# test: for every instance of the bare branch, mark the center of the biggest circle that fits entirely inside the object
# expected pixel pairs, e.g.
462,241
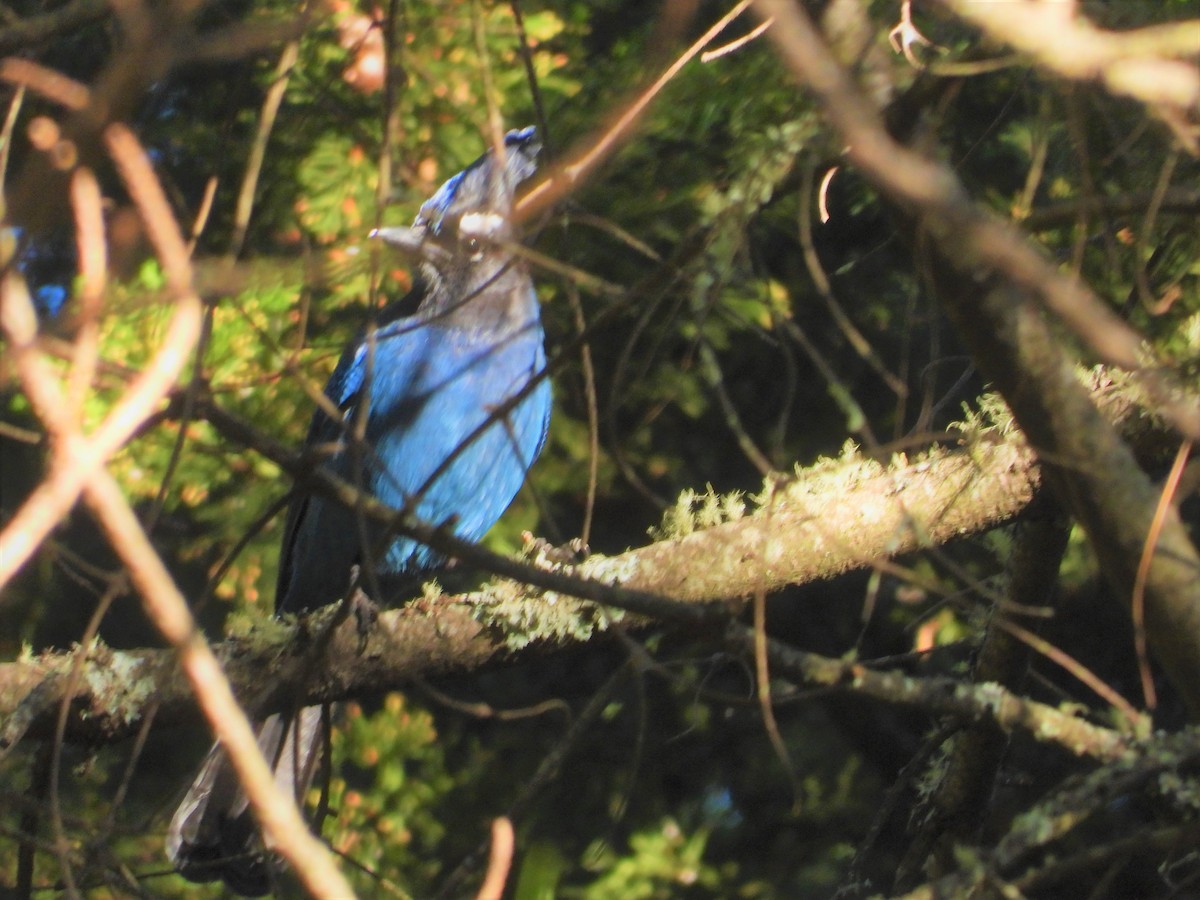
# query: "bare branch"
1145,64
37,30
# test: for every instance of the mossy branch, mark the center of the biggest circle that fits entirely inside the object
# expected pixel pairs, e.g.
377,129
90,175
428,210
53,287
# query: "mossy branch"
831,518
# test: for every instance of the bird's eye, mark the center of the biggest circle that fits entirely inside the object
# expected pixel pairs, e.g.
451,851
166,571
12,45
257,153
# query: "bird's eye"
472,245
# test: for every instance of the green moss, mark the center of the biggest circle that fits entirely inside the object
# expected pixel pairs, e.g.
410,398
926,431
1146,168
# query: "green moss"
509,610
114,679
694,511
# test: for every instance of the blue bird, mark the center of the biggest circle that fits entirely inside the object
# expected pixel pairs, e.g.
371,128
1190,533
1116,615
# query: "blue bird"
444,441
48,263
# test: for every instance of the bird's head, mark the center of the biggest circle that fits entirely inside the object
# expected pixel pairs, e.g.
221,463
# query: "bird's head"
478,188
461,232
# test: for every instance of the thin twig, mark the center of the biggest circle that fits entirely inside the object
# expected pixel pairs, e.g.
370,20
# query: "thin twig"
50,84
500,860
579,165
258,149
593,414
1138,599
1076,668
6,133
93,267
945,696
1145,64
736,44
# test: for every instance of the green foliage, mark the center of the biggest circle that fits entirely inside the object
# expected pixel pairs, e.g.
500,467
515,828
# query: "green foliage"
391,773
332,215
662,862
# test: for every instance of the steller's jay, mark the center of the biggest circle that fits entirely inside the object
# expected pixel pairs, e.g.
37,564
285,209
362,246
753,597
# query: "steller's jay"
429,380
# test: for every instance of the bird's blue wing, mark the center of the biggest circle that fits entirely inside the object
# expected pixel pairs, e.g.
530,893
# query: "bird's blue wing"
432,391
306,514
448,453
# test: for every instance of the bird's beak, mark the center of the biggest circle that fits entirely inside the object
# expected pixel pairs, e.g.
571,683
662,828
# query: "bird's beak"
412,242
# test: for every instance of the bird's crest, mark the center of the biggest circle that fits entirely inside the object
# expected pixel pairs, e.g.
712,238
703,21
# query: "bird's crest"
470,190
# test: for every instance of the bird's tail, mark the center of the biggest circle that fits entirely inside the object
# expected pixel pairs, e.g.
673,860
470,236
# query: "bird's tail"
213,834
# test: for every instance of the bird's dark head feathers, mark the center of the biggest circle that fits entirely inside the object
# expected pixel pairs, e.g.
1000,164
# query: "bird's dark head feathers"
474,190
470,208
463,234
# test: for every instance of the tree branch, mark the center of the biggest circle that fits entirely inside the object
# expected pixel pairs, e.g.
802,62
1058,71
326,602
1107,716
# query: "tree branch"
32,32
890,510
1145,64
995,286
441,636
